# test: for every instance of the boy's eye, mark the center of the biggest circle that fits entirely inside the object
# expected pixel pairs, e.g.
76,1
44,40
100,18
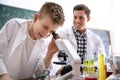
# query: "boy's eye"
45,27
51,32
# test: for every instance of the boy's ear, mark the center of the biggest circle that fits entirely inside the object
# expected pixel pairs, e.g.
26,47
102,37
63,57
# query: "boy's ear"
36,16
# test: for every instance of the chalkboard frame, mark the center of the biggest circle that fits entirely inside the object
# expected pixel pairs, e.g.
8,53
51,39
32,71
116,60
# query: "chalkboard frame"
105,35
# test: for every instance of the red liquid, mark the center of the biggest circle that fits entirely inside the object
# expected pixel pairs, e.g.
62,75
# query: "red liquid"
108,74
90,78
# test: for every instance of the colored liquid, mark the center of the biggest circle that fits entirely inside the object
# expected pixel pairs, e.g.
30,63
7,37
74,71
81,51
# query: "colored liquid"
108,74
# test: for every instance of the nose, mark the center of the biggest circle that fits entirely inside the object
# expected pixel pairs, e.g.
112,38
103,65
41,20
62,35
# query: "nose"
77,20
46,33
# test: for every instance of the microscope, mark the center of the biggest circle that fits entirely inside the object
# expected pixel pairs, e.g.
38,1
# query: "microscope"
66,46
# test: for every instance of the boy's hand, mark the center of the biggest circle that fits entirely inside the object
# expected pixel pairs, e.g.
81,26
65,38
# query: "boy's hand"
52,49
5,77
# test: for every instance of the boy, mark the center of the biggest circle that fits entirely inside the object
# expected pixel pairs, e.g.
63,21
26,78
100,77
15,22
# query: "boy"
22,43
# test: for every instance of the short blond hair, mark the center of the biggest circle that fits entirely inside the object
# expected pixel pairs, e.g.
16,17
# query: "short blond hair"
54,10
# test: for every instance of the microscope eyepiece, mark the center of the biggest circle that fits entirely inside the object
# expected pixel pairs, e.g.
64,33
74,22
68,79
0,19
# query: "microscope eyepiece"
55,35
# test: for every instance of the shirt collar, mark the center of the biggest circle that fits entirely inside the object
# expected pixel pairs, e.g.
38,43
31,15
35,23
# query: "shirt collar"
76,32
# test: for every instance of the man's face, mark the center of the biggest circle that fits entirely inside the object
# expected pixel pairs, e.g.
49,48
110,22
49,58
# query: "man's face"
80,19
43,27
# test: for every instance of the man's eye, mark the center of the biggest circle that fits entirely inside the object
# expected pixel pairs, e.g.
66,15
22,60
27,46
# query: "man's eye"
81,17
75,17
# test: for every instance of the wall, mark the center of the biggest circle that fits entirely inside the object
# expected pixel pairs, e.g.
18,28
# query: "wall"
116,26
102,15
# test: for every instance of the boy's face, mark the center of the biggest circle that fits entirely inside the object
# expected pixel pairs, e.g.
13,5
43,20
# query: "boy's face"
43,27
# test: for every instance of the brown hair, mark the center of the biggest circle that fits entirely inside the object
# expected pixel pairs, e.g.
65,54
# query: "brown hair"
53,10
82,7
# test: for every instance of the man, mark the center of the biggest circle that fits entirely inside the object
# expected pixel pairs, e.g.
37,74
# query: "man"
23,43
83,40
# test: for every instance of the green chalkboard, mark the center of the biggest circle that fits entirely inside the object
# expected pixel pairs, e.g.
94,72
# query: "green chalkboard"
8,12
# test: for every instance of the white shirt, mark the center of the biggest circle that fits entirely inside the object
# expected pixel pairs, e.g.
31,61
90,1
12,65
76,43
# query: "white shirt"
94,43
20,56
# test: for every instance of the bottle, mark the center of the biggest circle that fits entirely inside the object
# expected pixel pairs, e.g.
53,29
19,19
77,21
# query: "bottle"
116,67
101,67
90,73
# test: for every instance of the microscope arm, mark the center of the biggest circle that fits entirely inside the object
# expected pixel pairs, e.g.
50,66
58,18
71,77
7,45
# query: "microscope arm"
65,45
